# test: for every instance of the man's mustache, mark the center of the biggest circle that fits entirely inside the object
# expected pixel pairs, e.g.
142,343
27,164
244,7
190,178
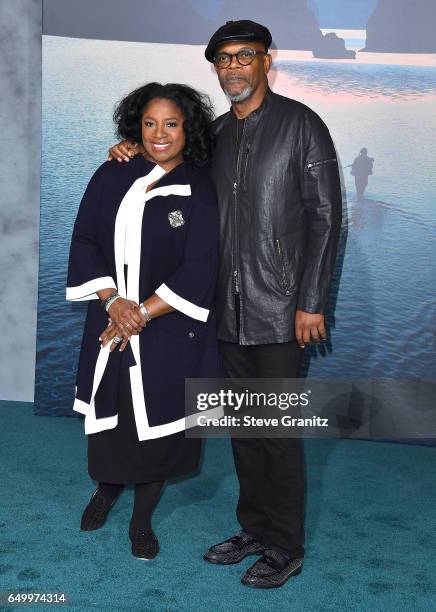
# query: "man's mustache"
231,78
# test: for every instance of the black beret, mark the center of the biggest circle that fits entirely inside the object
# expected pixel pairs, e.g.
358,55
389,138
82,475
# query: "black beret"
243,29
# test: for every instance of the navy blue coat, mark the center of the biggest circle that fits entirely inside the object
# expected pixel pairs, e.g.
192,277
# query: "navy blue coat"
169,238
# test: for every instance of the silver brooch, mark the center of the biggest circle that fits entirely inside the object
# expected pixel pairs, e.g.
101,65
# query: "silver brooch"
176,218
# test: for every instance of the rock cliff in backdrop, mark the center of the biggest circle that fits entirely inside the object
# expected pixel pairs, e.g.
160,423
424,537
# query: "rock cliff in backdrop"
332,47
292,23
165,21
402,26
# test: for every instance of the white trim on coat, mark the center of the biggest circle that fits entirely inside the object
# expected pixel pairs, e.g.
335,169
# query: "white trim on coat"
179,303
80,406
88,291
93,425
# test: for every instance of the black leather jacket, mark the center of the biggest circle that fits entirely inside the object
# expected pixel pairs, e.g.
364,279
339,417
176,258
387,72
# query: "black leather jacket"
280,203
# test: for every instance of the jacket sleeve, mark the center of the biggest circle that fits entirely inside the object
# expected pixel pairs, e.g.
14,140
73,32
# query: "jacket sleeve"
322,200
191,288
87,269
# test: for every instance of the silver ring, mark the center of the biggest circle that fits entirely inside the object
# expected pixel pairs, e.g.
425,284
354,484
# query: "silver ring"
117,339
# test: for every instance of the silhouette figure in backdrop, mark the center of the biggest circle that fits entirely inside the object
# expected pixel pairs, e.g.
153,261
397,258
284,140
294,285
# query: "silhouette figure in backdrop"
361,168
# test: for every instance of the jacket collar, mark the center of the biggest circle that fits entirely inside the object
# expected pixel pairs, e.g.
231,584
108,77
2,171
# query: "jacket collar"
254,115
179,174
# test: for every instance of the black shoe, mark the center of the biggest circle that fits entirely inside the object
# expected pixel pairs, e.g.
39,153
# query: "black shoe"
95,513
234,549
272,570
144,543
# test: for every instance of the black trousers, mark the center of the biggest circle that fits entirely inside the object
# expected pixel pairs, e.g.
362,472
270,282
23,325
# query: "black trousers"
270,470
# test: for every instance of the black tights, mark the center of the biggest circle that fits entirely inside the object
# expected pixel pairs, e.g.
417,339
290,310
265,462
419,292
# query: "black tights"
146,498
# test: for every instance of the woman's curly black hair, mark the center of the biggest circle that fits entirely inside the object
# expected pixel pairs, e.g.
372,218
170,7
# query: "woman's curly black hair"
195,106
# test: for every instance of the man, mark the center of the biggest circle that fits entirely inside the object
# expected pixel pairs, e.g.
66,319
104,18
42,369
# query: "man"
361,168
277,180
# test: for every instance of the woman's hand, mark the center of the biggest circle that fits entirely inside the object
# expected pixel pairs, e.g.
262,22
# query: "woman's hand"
111,332
128,317
122,332
125,150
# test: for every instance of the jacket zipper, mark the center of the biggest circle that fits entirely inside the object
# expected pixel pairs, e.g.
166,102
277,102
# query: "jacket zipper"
244,175
235,241
235,194
318,163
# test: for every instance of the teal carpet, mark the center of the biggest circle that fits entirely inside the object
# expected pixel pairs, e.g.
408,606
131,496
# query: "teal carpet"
371,533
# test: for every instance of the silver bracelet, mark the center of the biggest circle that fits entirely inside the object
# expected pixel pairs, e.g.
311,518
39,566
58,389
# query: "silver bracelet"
109,297
145,312
109,302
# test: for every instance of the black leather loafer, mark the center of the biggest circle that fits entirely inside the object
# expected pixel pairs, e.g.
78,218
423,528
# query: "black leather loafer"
234,549
271,571
95,513
144,543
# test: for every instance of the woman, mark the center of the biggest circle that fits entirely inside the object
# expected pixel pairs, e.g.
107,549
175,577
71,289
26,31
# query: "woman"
145,243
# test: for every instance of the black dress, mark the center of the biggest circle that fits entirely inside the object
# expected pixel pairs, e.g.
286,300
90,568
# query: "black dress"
117,456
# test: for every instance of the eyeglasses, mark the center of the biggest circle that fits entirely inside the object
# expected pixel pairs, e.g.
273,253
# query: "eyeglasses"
243,56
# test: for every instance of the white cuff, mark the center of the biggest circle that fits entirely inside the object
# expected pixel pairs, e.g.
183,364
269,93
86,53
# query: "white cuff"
93,425
179,303
88,290
80,406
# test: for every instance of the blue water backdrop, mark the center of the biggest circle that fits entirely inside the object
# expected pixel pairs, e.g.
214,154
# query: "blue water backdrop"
383,312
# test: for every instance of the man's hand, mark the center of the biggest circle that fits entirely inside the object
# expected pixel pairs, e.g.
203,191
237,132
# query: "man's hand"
124,150
309,328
